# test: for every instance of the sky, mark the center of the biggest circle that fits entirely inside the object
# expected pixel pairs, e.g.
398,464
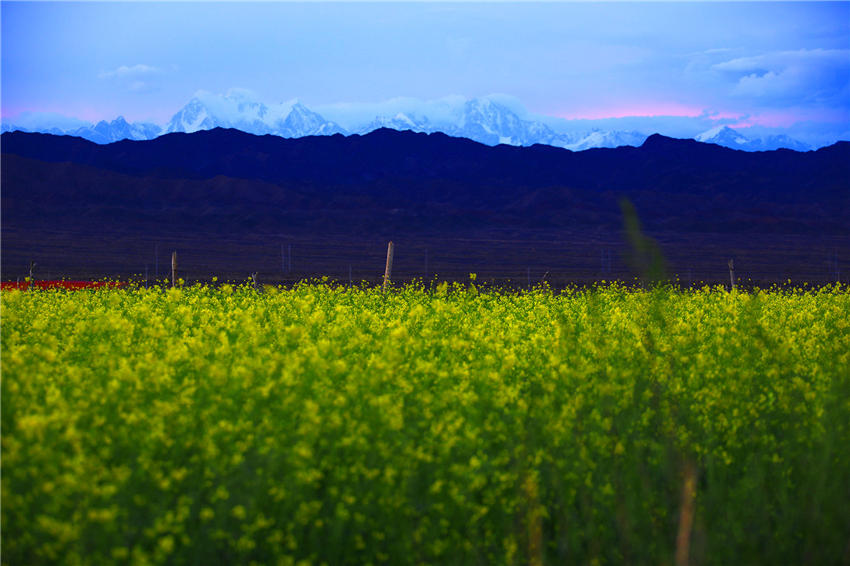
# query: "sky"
762,66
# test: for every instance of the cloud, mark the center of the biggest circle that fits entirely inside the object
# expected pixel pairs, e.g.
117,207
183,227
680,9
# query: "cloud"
44,120
138,79
804,76
125,71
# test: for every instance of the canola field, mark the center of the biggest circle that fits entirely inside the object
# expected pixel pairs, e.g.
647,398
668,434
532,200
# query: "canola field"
332,425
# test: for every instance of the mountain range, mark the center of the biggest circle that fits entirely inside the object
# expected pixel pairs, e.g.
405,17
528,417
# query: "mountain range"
727,137
479,119
228,199
680,180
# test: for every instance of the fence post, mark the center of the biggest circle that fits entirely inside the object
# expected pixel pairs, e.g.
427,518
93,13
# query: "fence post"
732,273
173,269
686,514
388,272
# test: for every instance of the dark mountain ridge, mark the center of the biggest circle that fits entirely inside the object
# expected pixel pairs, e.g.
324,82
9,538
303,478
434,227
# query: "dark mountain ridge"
409,185
389,154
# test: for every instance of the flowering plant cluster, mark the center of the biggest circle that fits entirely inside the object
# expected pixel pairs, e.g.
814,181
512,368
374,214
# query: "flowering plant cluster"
332,425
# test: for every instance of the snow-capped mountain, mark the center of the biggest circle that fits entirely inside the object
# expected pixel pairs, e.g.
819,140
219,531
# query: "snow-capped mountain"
489,120
102,132
478,119
6,127
401,121
301,121
116,130
237,110
191,118
727,137
600,138
45,122
783,141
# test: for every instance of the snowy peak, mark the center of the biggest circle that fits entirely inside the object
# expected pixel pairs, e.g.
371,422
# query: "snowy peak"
117,130
237,110
479,119
782,141
232,110
599,138
491,123
401,122
727,137
301,121
490,120
191,118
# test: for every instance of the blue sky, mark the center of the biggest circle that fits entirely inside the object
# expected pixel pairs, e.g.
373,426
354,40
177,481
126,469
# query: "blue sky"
759,65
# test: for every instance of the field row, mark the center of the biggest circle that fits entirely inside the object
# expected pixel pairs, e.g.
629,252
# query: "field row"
338,425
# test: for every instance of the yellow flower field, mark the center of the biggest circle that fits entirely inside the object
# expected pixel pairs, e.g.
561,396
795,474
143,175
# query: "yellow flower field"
333,425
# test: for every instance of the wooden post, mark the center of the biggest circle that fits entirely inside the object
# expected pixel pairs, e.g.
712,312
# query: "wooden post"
732,273
174,269
836,270
388,272
686,514
32,267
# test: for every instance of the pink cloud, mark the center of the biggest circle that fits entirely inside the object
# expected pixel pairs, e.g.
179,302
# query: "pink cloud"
87,113
742,119
631,110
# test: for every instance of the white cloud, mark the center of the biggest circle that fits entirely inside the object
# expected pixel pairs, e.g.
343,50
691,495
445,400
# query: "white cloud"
353,115
805,75
45,120
129,71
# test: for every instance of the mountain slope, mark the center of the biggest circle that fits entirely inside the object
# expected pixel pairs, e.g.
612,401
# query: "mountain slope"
227,199
420,165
